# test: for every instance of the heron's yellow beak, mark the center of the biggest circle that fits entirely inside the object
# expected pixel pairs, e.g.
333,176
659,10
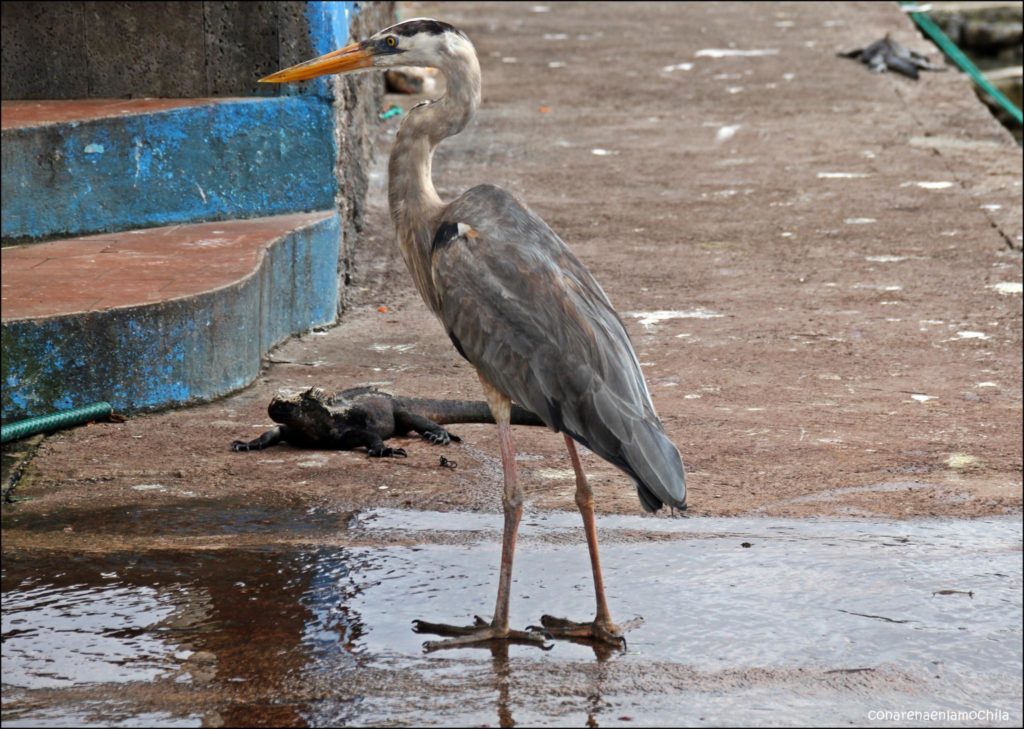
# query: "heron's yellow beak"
349,58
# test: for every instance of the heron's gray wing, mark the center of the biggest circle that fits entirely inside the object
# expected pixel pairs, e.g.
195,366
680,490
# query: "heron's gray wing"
532,319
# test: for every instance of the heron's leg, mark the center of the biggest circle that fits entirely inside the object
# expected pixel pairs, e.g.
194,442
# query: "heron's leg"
512,503
602,628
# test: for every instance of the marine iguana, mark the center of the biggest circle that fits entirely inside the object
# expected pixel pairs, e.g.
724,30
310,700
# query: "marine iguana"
364,417
886,54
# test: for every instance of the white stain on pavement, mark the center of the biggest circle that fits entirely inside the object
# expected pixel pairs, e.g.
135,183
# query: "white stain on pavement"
930,185
1006,288
650,318
842,175
735,52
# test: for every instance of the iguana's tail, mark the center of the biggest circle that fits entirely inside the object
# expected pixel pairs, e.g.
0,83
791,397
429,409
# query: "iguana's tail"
444,412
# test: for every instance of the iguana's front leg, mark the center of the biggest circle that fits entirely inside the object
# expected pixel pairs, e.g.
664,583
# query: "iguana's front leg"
272,437
374,444
425,427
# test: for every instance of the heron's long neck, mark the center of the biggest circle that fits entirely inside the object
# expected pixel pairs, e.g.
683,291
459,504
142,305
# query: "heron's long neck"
415,204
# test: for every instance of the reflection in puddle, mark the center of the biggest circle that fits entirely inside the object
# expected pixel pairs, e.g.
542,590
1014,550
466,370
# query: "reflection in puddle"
813,621
64,636
240,621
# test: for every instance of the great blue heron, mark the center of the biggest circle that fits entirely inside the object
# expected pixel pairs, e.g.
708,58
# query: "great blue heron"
520,307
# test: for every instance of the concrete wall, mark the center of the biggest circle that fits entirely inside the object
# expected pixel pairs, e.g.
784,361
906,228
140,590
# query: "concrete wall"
358,100
76,50
177,352
73,50
214,159
237,158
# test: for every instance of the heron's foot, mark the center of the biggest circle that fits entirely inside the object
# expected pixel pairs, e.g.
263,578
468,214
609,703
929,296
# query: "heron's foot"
599,630
480,633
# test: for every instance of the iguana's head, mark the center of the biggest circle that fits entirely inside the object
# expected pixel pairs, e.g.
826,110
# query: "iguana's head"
292,407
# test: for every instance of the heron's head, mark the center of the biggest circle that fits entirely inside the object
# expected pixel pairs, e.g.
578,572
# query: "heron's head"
416,42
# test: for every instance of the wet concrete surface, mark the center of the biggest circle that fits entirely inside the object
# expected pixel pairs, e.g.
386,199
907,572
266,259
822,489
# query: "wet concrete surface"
859,373
745,621
805,360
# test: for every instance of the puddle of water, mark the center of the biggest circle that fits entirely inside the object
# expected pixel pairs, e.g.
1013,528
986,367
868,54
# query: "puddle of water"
711,597
814,621
66,635
158,623
185,516
86,718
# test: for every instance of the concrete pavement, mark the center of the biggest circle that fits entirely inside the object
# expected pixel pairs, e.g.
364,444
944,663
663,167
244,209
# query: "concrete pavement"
820,268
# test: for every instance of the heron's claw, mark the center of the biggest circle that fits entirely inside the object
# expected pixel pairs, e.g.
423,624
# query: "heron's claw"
480,634
422,626
600,631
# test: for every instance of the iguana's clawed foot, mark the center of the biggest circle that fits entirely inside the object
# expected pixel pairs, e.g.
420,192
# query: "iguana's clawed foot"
440,437
479,633
241,445
386,452
600,631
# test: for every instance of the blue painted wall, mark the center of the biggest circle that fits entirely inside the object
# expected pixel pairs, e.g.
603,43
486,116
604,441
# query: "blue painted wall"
328,30
176,352
232,159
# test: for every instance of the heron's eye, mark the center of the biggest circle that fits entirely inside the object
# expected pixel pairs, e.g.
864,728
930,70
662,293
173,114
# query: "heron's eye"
391,41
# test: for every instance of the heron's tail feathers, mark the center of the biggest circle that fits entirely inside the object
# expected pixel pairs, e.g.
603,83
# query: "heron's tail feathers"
636,443
656,467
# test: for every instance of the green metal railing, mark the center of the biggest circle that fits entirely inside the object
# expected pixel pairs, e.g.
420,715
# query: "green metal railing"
950,48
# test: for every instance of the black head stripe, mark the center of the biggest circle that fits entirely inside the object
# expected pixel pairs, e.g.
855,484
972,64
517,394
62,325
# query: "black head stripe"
423,25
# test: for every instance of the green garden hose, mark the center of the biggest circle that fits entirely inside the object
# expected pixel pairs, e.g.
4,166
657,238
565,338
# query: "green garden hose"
54,421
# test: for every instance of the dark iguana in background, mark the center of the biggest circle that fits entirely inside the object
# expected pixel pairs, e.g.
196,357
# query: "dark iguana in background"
364,417
887,54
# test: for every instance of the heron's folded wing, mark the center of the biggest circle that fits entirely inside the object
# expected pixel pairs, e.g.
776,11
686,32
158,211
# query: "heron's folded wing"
532,319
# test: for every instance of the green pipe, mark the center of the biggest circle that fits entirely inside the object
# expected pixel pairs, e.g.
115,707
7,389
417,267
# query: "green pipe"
950,48
54,421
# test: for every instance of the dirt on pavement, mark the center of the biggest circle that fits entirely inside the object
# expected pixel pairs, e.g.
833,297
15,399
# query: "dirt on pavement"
807,256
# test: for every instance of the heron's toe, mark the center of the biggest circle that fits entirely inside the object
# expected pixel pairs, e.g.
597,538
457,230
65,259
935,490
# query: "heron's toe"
481,632
599,631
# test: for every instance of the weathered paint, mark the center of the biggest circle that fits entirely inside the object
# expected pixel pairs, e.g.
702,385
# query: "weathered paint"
174,352
215,47
214,161
328,28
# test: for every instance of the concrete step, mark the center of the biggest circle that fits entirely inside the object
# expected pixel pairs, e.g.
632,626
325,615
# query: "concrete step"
161,316
72,168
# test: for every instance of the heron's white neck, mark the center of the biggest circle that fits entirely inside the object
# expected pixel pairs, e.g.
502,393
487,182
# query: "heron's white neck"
415,204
